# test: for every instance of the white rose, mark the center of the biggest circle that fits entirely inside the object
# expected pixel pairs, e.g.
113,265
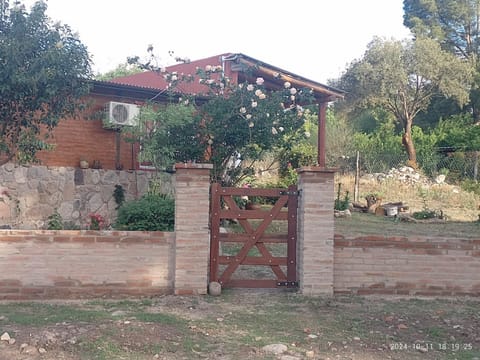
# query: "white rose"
260,81
248,116
287,84
243,110
293,91
208,68
254,104
274,131
251,124
262,96
258,92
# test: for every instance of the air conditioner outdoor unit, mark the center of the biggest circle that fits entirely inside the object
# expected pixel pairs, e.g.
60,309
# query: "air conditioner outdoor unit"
121,114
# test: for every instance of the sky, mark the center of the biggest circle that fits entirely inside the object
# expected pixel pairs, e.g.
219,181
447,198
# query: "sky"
316,39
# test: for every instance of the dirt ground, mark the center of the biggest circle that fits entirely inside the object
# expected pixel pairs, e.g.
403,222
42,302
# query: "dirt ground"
238,324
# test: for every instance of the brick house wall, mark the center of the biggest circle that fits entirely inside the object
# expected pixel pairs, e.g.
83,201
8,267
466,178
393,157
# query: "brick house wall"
85,137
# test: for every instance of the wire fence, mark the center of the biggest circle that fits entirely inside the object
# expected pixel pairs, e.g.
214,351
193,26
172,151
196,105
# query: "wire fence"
456,166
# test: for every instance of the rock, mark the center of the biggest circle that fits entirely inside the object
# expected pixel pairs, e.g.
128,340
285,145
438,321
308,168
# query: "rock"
310,354
5,336
276,349
42,350
440,179
28,349
356,338
119,313
312,336
342,213
11,341
289,357
214,288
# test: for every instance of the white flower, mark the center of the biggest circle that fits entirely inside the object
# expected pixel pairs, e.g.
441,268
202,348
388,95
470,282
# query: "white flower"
260,81
293,91
276,75
210,141
174,77
200,81
262,96
258,92
286,85
208,68
162,70
210,81
254,104
250,87
281,128
243,110
248,116
251,124
292,97
307,134
274,131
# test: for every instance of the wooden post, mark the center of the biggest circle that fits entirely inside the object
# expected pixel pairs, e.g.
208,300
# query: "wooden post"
356,190
322,120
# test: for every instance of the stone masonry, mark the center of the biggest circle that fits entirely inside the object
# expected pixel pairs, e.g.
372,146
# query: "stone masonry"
29,194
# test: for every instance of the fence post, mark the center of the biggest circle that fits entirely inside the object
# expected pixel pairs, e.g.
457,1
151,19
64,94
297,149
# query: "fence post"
192,234
315,230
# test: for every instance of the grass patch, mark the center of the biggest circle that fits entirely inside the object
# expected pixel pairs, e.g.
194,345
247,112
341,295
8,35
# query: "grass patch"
38,314
165,319
102,349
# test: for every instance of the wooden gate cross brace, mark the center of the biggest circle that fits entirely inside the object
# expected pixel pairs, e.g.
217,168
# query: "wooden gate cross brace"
255,236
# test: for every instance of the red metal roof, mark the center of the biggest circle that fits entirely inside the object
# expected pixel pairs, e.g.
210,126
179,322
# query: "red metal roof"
232,64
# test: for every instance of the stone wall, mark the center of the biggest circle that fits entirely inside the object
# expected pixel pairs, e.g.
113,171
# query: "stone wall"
406,266
29,194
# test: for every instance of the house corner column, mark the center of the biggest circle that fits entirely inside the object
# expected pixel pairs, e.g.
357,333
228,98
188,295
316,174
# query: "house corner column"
192,234
315,231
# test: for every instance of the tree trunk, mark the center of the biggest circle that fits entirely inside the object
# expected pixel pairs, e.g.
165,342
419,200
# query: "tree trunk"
408,144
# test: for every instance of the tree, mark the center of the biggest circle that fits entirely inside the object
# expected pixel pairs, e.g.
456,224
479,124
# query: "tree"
402,78
121,70
43,73
455,25
231,124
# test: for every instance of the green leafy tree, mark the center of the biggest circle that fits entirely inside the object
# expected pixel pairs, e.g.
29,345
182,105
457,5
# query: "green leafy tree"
231,126
43,73
402,78
455,25
121,70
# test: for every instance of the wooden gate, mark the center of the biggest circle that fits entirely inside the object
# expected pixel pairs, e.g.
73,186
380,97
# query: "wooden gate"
256,243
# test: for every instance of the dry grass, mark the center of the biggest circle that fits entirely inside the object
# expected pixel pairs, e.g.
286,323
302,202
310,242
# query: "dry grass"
456,204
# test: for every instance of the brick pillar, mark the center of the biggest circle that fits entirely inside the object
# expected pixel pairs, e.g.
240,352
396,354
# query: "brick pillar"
315,231
192,234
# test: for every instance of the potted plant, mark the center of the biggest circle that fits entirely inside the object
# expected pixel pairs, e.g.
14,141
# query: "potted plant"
83,163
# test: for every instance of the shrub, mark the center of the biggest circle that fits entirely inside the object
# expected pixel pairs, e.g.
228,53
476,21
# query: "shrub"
55,221
149,213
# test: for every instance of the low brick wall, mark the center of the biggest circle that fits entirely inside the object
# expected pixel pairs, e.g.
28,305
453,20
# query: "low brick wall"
406,266
85,264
